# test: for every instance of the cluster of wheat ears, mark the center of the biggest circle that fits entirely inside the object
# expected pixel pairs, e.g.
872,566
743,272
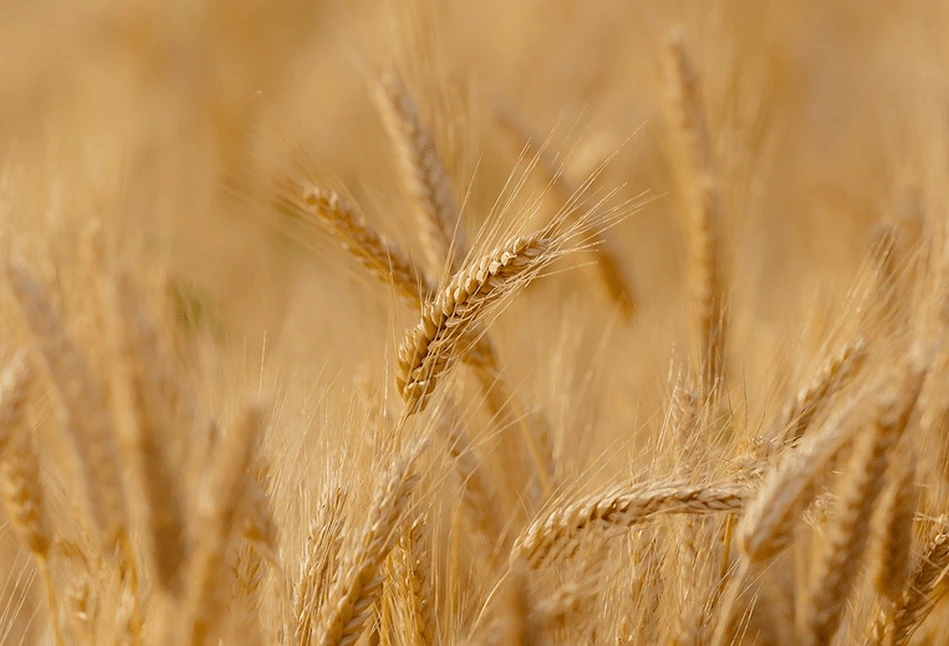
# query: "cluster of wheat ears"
154,495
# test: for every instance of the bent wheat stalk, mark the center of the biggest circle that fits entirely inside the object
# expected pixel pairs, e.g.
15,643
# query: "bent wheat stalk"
551,536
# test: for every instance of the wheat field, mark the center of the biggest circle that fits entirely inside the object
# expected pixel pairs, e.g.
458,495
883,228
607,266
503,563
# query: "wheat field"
418,322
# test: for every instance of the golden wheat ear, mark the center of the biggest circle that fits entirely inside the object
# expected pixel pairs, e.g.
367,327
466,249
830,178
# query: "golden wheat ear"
424,175
373,251
145,418
357,584
892,537
81,405
220,507
847,536
318,565
20,480
834,375
925,588
435,344
704,208
554,536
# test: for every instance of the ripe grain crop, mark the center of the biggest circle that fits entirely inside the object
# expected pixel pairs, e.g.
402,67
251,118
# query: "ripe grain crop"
428,322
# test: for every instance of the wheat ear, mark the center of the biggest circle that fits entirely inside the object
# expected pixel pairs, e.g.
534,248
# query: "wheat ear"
413,581
357,583
393,268
834,375
847,536
927,585
22,488
377,254
766,526
433,346
706,270
82,409
892,535
621,508
221,507
892,528
148,427
318,564
15,382
423,172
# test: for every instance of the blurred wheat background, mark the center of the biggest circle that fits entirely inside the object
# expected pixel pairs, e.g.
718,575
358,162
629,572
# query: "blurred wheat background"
422,322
